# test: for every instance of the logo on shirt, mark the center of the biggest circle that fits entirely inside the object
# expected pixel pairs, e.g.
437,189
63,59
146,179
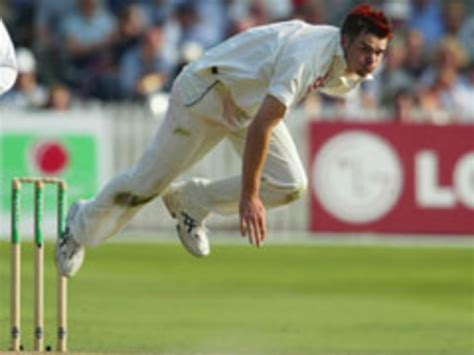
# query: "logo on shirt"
317,83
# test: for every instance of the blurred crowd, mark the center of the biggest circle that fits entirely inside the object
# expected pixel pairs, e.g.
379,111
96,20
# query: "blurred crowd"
71,51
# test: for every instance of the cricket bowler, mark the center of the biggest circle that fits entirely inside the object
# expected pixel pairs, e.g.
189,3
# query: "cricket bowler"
240,90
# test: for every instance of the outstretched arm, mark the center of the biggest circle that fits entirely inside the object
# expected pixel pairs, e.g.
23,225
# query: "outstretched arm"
8,69
252,210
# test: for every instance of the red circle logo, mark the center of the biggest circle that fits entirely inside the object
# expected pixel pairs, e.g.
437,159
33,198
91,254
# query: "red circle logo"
51,158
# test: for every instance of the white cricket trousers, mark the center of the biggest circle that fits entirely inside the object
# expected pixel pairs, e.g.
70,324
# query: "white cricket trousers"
183,138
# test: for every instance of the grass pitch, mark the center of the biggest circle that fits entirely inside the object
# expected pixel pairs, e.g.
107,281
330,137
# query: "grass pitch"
282,299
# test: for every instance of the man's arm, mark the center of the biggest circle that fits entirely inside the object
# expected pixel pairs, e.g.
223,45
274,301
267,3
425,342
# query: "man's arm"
8,69
252,210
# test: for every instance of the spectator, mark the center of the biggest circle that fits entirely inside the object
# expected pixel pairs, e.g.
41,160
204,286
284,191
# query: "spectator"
454,16
338,9
416,62
116,6
466,36
88,33
27,92
144,69
450,55
187,27
244,17
179,28
160,12
214,28
192,27
464,96
458,25
22,19
270,10
278,10
48,44
157,11
398,11
404,107
47,23
437,101
311,11
132,24
426,18
59,98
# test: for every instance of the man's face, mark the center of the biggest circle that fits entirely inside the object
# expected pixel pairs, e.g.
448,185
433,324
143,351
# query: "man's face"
364,53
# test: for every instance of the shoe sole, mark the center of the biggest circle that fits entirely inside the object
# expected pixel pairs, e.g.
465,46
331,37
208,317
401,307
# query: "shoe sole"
186,246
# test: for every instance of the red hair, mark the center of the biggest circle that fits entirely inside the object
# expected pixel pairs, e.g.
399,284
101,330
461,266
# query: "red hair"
365,18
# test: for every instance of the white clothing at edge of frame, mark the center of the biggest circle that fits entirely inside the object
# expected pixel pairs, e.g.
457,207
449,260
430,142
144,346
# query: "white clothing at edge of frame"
8,68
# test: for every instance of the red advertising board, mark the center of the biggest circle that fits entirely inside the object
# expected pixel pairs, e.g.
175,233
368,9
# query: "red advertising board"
390,177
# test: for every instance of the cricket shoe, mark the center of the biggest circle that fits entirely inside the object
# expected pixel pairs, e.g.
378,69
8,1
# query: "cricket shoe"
69,253
190,222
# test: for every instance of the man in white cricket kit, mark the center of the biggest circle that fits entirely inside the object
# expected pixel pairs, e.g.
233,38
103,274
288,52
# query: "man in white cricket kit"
239,90
8,71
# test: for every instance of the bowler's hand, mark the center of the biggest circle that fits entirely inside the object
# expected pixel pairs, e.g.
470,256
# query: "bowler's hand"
252,220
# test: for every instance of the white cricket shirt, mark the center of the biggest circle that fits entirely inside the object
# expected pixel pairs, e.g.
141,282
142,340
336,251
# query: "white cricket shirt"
8,69
286,60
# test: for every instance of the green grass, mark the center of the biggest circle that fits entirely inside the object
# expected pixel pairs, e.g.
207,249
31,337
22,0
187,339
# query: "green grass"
302,299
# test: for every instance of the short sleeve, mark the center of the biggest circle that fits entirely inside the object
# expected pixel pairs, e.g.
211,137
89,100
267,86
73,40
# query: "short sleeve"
305,58
286,83
8,70
295,69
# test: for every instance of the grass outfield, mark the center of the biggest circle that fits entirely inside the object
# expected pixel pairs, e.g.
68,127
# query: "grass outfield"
282,299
